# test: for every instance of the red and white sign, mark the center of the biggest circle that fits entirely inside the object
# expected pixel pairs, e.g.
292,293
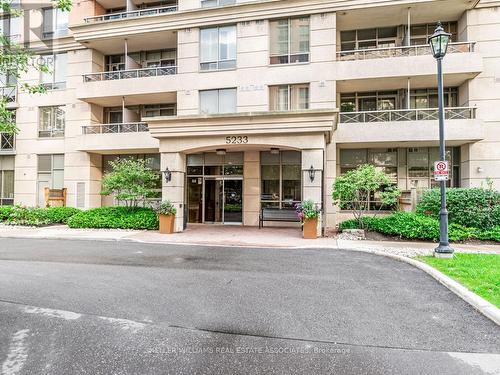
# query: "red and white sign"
441,171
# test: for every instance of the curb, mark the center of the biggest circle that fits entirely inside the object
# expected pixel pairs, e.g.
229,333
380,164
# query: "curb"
480,304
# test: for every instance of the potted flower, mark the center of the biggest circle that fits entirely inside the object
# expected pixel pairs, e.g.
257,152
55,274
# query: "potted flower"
308,213
166,213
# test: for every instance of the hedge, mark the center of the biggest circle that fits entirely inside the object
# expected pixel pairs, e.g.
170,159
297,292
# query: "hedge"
415,226
115,218
474,207
32,216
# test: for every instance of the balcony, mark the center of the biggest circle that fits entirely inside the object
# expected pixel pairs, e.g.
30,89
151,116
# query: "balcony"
360,70
455,113
132,127
415,126
132,14
7,144
402,51
109,138
132,73
9,93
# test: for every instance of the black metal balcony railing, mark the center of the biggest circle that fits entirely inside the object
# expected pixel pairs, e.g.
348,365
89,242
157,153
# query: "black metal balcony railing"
9,93
402,51
131,14
454,113
7,142
129,127
132,73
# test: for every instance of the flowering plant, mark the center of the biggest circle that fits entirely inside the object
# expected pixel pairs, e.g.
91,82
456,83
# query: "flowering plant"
167,208
307,210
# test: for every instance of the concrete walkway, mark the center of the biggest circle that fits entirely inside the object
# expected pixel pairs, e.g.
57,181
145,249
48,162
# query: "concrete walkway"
237,236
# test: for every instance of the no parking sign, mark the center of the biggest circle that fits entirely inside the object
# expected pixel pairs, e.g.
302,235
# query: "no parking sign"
441,171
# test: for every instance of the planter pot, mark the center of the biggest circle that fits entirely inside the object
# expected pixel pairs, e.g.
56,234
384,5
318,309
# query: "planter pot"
310,229
167,224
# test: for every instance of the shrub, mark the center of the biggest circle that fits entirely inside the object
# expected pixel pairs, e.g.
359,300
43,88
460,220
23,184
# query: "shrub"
60,214
116,218
5,212
307,210
167,208
475,207
414,226
31,216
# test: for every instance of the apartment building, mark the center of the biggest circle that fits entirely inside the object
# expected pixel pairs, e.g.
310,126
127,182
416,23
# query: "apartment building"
251,104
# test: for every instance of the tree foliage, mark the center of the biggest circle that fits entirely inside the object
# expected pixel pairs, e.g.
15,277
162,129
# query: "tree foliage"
131,181
353,190
16,59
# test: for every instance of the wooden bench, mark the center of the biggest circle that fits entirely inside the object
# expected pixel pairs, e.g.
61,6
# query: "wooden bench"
55,195
276,214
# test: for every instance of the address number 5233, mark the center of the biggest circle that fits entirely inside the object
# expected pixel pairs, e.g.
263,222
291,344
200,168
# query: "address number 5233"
238,139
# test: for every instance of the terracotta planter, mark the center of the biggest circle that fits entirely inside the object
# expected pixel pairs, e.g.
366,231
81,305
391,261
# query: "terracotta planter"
167,224
310,229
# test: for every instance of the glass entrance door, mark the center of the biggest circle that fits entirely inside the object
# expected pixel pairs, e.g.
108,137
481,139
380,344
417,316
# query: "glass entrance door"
233,201
223,200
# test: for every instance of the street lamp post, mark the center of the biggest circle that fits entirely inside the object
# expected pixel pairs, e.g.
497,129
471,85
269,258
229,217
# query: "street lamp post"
439,44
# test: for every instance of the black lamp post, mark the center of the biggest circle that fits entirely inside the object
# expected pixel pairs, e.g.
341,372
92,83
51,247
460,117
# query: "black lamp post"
439,44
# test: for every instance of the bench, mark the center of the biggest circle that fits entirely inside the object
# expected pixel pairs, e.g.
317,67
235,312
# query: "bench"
276,214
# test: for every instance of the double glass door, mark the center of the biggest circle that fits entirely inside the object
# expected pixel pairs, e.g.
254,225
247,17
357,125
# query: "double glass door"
215,200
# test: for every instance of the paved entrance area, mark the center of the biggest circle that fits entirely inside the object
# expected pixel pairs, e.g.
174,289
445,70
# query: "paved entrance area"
88,307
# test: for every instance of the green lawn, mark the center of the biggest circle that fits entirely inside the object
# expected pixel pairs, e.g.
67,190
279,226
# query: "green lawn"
480,273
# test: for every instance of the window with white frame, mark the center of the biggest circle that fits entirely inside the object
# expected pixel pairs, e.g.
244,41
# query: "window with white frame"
218,101
289,40
154,110
55,77
6,180
215,3
218,48
51,122
55,22
288,97
10,26
51,170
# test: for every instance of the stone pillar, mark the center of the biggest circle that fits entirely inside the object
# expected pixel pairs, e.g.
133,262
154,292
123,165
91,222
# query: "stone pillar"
251,188
312,190
329,209
174,190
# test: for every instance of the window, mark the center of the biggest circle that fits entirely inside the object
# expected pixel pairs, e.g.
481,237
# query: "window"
368,38
288,97
145,59
6,180
55,22
10,26
218,101
428,98
153,110
214,3
51,170
369,101
218,48
51,122
55,78
290,40
281,179
6,142
420,33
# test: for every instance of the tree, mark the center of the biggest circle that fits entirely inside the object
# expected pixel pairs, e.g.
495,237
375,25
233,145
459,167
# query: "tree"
130,181
15,60
354,188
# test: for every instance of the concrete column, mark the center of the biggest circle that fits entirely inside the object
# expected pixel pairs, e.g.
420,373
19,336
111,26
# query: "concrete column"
174,190
312,190
251,188
329,209
131,6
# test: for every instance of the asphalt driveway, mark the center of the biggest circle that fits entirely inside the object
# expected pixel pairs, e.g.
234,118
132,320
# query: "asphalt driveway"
86,307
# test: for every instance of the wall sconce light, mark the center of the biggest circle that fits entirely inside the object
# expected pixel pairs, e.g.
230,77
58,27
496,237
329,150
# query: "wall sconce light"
312,173
168,175
220,151
275,151
480,170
